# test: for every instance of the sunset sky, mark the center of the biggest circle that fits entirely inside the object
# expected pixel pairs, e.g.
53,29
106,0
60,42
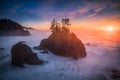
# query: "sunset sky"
88,14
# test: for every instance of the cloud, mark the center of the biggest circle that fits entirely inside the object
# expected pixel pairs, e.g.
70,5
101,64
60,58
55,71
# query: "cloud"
99,9
92,15
43,10
78,12
96,8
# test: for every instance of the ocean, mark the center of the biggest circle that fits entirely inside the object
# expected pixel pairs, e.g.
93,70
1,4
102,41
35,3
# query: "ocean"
103,55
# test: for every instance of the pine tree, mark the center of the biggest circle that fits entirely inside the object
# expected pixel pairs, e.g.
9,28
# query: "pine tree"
53,25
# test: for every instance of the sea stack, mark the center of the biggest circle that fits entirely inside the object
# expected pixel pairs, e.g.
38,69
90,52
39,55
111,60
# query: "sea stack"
21,53
63,42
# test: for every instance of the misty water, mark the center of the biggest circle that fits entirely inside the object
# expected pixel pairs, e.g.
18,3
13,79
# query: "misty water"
103,54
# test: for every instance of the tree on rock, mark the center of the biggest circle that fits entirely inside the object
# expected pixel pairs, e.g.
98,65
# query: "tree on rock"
55,26
62,42
65,24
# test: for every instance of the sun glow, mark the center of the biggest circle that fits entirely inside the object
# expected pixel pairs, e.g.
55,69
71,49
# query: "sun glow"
110,28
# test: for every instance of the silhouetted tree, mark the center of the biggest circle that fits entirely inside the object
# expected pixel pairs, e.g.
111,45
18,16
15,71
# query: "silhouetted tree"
52,27
65,24
55,27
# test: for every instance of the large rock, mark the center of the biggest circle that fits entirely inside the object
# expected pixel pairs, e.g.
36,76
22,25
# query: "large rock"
12,28
21,53
64,43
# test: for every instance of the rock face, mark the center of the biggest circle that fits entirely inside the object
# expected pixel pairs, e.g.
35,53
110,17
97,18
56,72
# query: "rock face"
64,43
21,53
11,28
115,74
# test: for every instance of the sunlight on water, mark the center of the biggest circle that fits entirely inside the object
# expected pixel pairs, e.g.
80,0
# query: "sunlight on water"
106,38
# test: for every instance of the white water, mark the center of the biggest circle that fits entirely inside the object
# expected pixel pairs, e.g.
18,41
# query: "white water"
102,56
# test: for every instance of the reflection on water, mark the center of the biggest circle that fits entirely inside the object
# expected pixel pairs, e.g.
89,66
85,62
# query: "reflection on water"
106,38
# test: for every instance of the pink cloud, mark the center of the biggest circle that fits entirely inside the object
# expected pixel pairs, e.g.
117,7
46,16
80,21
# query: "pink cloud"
92,15
99,9
80,11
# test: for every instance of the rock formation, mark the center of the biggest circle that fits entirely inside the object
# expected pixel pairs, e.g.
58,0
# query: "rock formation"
11,28
62,41
65,44
22,53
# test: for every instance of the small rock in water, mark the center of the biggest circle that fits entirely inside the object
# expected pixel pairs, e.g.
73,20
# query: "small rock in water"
87,44
44,51
1,48
36,48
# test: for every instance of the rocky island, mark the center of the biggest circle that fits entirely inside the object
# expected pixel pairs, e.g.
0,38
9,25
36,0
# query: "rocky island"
11,28
63,42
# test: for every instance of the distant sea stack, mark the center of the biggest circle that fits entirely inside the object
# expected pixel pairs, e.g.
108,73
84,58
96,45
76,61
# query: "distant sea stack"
11,28
63,42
